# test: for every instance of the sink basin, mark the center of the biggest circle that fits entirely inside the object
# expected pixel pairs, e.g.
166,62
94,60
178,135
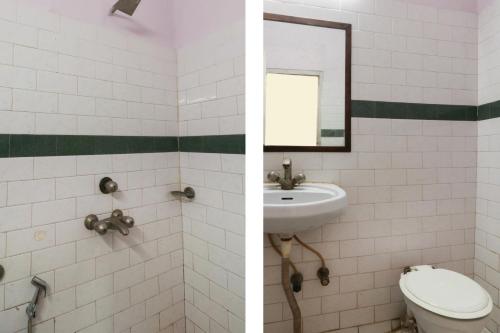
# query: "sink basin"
308,206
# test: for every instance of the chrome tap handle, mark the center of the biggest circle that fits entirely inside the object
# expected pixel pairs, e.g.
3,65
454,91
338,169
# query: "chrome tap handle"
101,227
188,193
299,179
128,221
108,185
90,221
117,213
273,176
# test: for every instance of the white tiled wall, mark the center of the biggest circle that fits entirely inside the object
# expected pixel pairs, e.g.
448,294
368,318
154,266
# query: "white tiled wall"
487,237
211,102
212,84
488,51
402,52
411,190
97,283
60,76
214,242
411,184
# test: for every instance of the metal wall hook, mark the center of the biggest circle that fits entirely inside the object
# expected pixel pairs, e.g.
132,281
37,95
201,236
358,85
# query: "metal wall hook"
108,185
187,193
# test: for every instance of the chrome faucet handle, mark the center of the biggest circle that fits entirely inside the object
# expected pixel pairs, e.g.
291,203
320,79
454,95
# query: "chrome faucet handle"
101,227
117,213
128,221
108,185
91,221
299,179
273,176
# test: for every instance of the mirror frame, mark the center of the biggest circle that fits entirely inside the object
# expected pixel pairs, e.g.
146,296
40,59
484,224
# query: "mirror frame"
348,53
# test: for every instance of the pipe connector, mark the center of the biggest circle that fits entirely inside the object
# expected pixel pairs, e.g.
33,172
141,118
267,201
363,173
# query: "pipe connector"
296,280
324,276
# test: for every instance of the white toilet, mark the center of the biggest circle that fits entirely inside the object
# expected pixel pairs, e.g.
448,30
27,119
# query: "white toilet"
442,301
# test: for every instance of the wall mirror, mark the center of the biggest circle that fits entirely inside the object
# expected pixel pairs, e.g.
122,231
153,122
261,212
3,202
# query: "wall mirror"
307,84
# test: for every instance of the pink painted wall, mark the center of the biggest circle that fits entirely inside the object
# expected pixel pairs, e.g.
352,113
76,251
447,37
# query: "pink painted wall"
462,5
153,18
484,4
196,18
174,22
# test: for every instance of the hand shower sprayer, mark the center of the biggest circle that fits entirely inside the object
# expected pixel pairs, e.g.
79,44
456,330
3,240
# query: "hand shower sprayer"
41,287
125,6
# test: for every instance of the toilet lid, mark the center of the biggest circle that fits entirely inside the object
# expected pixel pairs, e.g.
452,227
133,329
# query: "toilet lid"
446,293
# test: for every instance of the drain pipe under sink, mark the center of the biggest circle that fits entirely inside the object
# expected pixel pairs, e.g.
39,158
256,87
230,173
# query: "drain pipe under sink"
286,248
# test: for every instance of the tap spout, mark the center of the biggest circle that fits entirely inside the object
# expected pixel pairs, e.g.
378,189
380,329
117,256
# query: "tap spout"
287,167
119,222
120,226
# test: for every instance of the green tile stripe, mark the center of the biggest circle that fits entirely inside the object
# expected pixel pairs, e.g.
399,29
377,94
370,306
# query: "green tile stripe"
393,110
332,133
26,145
488,111
223,144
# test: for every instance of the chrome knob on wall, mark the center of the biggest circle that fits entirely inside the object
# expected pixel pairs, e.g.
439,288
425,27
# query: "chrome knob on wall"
116,222
108,185
188,193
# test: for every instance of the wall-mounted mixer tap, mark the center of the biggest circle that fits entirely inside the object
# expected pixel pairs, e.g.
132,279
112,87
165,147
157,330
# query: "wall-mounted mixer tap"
41,288
287,182
116,221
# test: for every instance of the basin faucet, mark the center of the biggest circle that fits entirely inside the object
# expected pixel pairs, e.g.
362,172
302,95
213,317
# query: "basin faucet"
287,182
116,222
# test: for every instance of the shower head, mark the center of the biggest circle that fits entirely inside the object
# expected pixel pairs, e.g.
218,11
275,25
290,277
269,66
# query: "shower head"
126,6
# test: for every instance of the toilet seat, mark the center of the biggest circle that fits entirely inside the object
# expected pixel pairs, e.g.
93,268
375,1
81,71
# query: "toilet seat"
446,293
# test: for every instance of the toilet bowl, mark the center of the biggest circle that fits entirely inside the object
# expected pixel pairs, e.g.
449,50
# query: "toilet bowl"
443,301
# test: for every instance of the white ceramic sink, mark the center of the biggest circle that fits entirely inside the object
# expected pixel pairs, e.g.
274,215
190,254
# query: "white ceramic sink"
307,206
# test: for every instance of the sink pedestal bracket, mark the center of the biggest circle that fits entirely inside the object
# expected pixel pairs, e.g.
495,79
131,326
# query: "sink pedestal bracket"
286,248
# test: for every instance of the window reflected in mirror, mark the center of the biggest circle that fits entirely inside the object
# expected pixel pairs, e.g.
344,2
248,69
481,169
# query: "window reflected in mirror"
291,109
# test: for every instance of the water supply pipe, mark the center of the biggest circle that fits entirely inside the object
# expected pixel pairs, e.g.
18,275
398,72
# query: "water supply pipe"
297,278
286,248
323,272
